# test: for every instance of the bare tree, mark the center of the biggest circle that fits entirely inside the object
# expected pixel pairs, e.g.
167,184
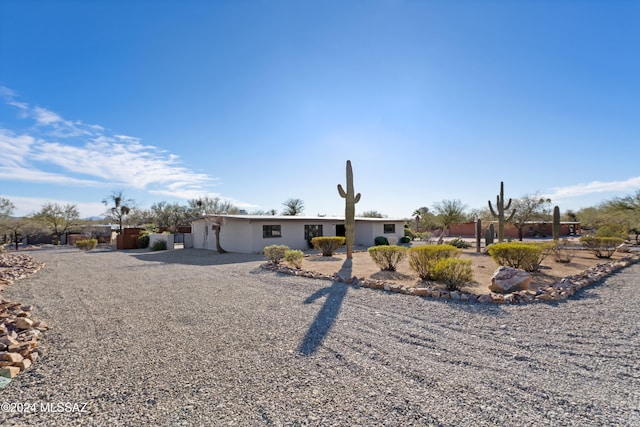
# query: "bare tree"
58,218
121,206
530,207
293,207
6,208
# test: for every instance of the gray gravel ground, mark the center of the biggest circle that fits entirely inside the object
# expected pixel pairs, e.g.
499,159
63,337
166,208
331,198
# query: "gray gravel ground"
192,337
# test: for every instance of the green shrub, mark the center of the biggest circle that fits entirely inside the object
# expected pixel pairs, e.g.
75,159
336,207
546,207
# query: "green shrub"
405,239
143,240
159,245
520,255
380,240
546,248
275,253
87,244
409,233
459,243
601,247
455,273
612,230
423,258
387,257
328,244
294,257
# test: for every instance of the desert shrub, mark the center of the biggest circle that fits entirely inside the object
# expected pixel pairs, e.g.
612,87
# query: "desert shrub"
387,257
459,243
524,256
294,257
328,244
380,240
562,252
423,258
546,249
87,245
159,245
275,253
143,240
612,230
404,240
409,233
455,273
601,247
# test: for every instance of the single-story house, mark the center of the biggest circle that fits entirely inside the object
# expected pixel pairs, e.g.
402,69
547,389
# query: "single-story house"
251,233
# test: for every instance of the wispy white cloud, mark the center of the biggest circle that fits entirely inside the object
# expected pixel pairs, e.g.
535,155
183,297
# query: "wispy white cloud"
14,148
27,174
29,205
45,117
59,151
595,187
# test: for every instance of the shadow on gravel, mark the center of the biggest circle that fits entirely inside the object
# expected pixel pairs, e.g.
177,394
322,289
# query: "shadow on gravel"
194,257
327,315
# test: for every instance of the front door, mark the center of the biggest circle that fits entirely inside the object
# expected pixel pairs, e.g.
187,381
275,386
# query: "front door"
340,230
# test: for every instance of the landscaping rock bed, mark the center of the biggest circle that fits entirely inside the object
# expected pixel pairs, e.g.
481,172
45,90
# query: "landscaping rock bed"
20,332
560,290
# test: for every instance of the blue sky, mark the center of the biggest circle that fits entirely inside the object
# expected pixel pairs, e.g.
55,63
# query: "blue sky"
261,101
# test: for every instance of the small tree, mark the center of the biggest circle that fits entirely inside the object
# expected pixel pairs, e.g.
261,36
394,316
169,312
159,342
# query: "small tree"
215,208
529,208
371,214
6,208
449,212
58,218
120,208
293,207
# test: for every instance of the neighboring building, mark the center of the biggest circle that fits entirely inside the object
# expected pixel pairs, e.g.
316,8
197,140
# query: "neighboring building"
531,229
251,233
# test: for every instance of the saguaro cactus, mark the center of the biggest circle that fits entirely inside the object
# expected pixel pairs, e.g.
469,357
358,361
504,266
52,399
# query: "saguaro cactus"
556,223
500,206
488,235
478,234
350,209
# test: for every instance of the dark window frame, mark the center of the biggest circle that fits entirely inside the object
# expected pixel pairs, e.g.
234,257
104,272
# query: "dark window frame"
268,231
389,228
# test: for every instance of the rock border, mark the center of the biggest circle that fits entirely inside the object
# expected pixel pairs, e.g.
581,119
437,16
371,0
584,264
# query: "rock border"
559,291
20,331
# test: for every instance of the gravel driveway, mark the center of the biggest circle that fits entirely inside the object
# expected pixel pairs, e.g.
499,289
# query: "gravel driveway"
192,337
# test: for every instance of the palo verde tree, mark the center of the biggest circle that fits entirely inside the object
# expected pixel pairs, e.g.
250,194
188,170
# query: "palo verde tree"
530,207
120,208
59,219
293,207
449,212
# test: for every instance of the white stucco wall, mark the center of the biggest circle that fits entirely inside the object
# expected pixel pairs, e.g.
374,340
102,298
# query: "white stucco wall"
156,237
245,234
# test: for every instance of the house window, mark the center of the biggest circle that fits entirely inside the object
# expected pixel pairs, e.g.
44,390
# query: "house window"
389,228
271,231
311,231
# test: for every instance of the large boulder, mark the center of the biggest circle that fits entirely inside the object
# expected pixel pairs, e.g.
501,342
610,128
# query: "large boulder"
508,279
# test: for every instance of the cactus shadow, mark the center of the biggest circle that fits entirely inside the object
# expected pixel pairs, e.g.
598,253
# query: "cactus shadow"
327,315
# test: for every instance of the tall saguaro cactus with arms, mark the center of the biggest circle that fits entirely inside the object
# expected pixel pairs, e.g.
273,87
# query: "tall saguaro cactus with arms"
500,206
350,209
